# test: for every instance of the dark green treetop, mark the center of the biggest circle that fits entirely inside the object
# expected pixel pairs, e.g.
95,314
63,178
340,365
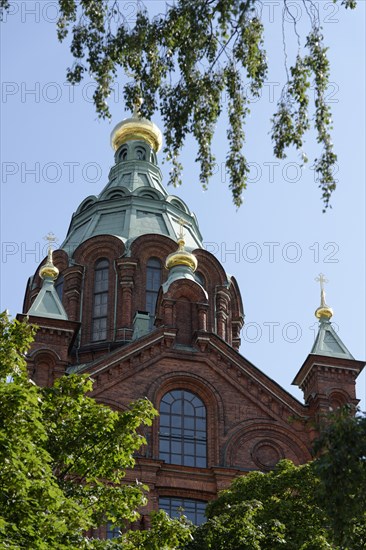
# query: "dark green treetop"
62,454
341,469
266,512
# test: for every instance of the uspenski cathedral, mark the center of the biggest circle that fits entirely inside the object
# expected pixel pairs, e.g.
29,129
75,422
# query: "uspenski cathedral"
133,299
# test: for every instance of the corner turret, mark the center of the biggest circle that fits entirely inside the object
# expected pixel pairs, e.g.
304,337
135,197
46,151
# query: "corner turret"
47,302
328,375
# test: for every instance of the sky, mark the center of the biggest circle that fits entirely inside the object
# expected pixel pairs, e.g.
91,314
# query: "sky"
55,152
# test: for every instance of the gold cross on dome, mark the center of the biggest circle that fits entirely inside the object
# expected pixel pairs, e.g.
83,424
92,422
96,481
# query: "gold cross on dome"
321,279
51,238
181,228
137,104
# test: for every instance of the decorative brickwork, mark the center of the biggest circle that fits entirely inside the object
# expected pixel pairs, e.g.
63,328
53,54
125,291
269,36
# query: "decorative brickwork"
251,422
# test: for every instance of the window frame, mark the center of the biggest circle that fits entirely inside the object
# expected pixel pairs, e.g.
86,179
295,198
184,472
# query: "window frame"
112,531
151,294
182,437
173,504
122,156
101,295
140,151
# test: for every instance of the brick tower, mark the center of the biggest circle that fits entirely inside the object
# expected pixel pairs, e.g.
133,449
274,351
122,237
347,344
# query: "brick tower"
137,303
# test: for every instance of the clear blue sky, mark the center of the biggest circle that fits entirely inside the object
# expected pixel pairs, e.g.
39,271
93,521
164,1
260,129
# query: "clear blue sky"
55,152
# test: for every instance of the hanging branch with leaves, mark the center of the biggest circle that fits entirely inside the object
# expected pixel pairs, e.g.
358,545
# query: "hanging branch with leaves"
187,61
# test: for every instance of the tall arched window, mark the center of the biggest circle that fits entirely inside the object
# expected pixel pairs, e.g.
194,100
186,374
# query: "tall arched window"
153,282
183,432
100,302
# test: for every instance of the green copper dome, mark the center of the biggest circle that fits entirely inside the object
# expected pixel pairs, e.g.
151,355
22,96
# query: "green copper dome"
133,203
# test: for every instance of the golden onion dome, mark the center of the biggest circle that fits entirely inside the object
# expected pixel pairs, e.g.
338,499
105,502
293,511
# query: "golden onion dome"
324,311
181,257
136,128
49,270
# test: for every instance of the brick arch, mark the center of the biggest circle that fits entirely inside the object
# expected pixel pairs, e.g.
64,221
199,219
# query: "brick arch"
43,366
100,246
206,392
210,267
142,250
60,259
183,306
87,254
237,308
248,445
152,245
338,398
236,319
217,282
45,353
185,288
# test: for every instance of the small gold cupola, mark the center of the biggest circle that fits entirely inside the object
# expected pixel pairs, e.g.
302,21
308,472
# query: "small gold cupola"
136,128
47,302
49,270
181,257
323,312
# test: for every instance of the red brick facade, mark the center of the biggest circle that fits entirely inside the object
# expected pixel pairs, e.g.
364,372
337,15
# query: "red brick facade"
115,284
251,421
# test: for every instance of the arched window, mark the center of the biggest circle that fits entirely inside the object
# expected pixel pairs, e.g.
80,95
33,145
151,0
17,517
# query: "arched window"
193,509
87,205
140,153
100,302
123,154
153,282
117,195
183,432
59,286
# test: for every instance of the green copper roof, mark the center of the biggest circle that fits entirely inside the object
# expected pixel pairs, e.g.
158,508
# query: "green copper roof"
48,304
133,203
328,342
182,272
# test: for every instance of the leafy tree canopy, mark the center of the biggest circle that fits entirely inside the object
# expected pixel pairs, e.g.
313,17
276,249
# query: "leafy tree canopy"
197,60
266,512
317,506
341,469
63,457
34,512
